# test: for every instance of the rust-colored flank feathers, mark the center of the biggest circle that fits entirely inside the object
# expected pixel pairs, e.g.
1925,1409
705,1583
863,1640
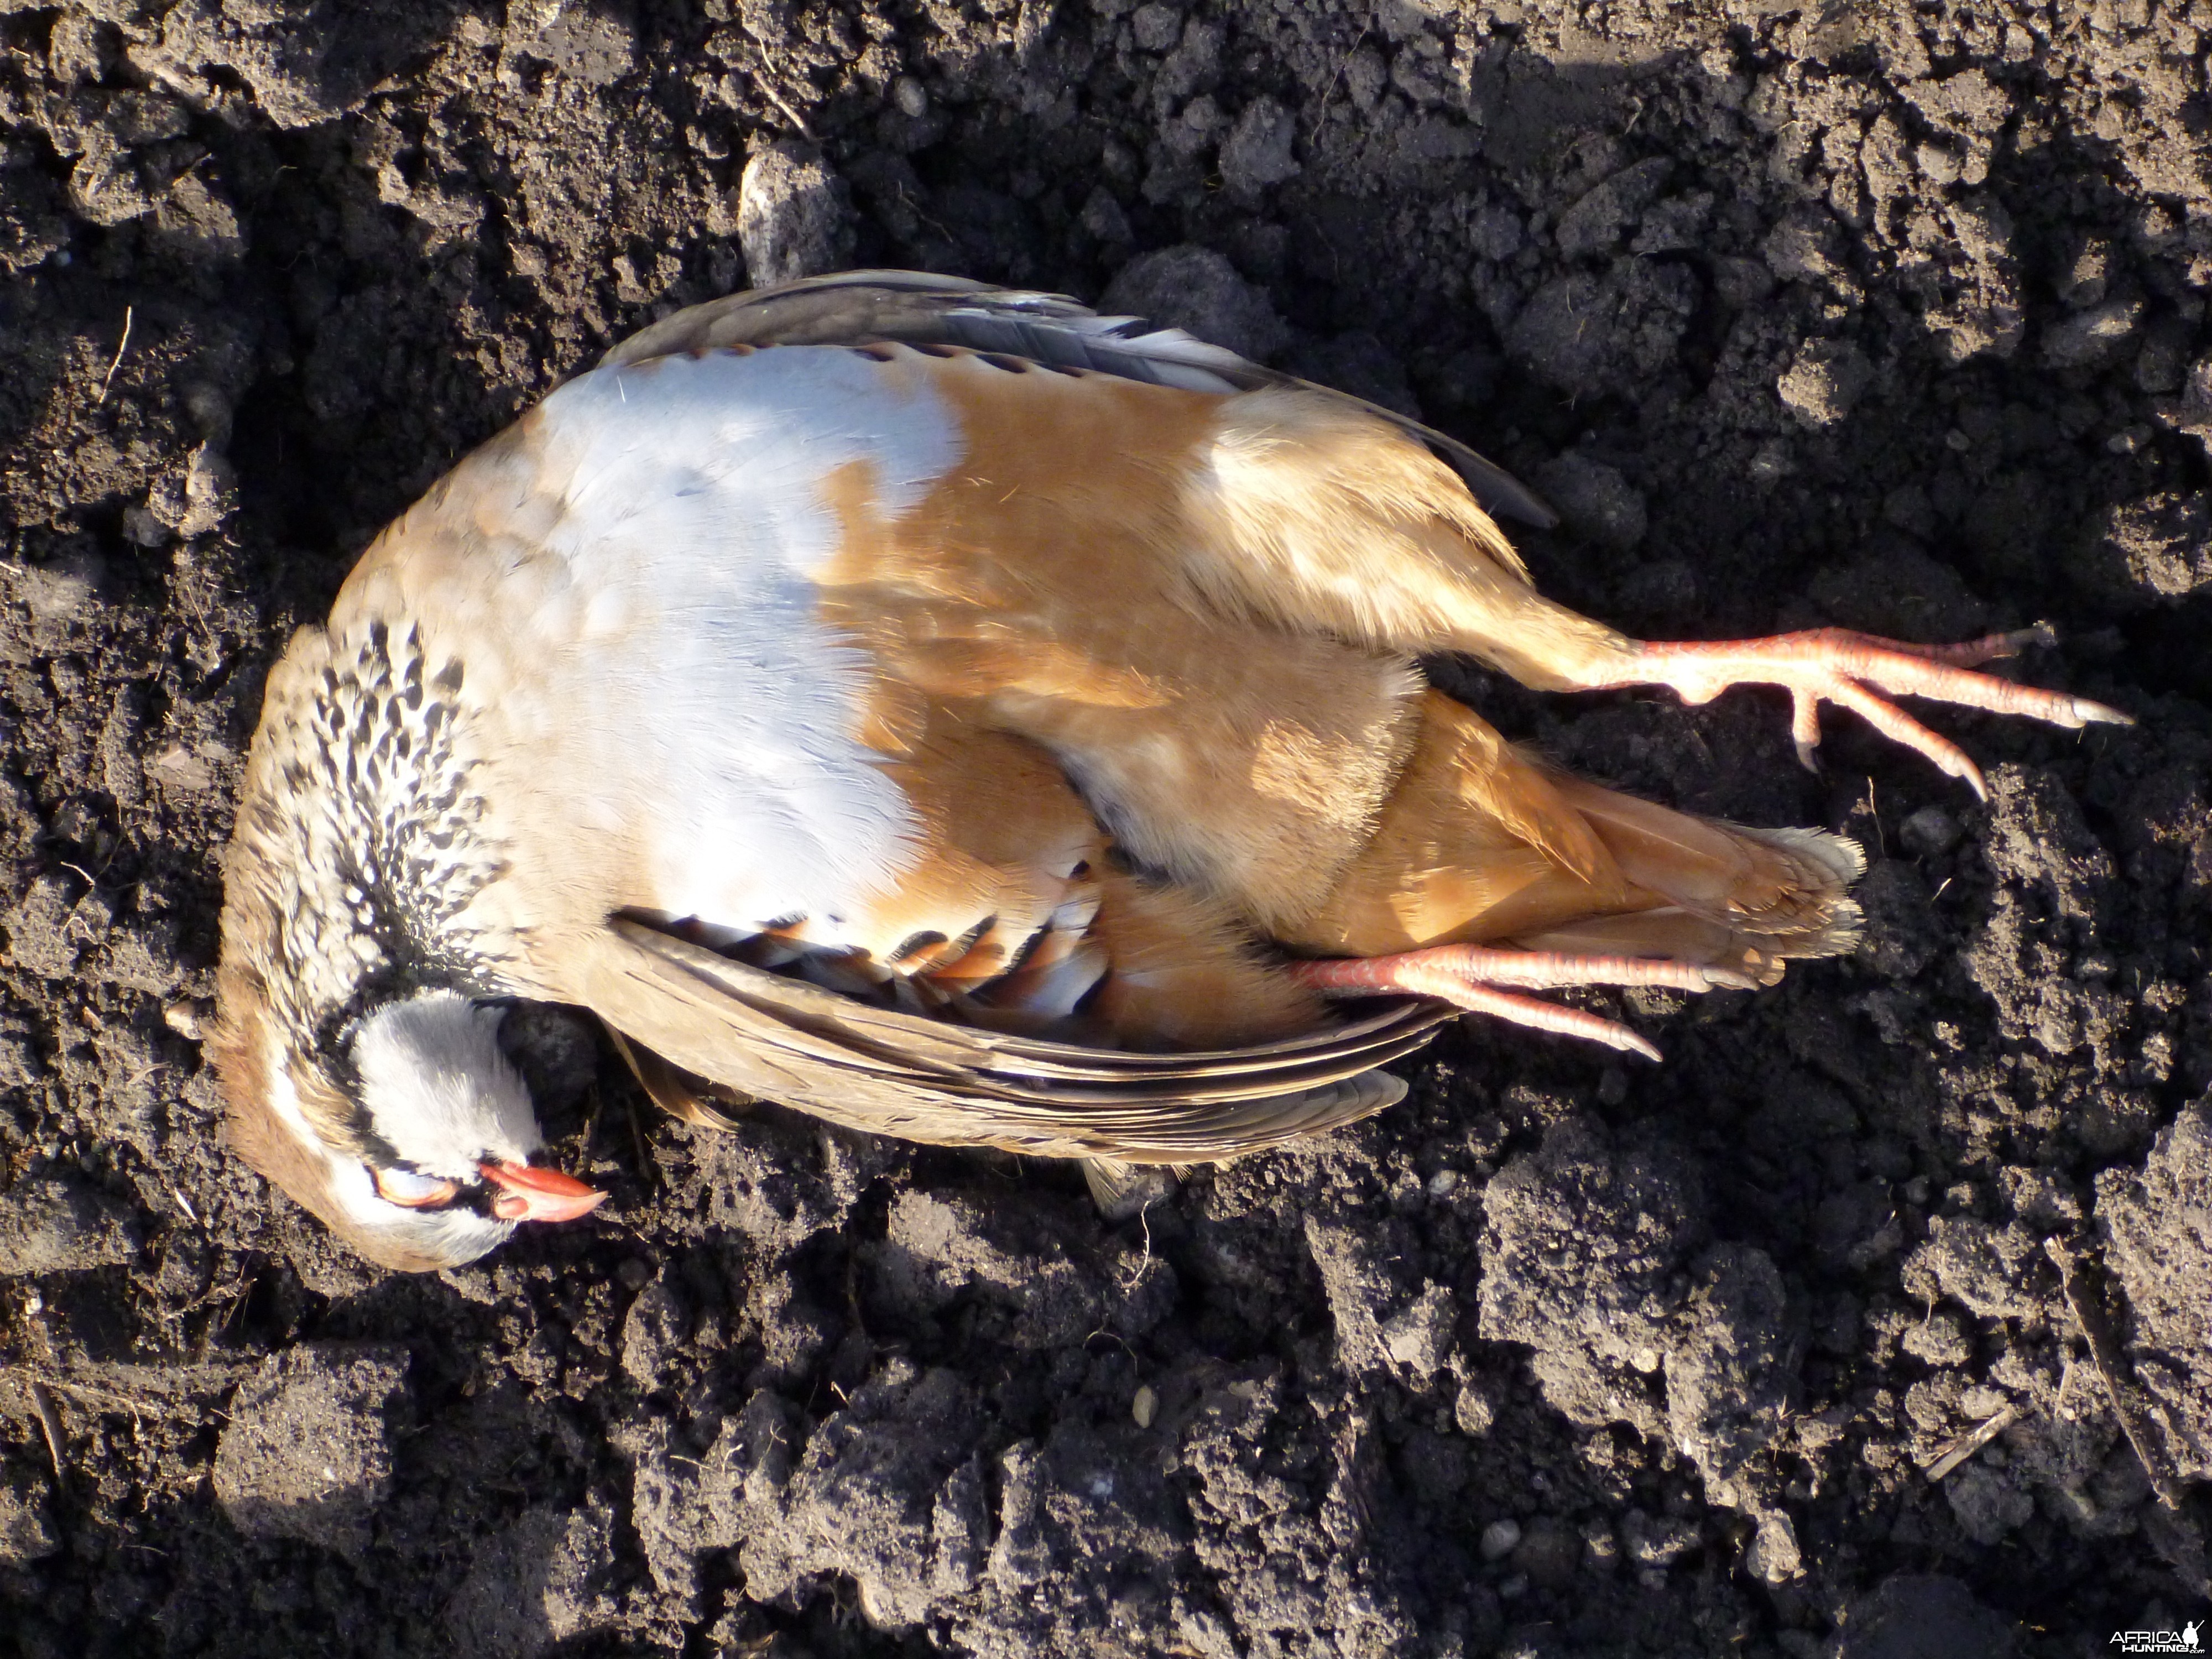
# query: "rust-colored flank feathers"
963,717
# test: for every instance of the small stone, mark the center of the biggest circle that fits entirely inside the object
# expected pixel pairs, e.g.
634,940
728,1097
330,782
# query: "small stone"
1475,1410
1939,163
1500,1539
1929,833
1145,1407
188,1017
1774,1558
911,97
793,216
1418,1338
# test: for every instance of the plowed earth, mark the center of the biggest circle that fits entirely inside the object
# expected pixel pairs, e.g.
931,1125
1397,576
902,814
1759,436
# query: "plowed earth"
1884,316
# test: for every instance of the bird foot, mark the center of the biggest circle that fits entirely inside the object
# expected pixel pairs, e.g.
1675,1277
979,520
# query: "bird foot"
1834,664
1471,977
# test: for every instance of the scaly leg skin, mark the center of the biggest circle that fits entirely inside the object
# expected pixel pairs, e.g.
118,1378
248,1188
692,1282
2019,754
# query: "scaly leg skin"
1838,666
1469,977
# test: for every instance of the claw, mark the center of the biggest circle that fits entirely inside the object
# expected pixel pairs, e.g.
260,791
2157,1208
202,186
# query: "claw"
1850,670
1805,729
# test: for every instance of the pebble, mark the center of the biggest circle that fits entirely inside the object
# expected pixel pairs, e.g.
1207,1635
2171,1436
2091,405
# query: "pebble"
1929,833
793,217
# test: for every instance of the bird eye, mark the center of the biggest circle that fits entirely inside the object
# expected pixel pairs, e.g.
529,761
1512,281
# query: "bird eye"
411,1191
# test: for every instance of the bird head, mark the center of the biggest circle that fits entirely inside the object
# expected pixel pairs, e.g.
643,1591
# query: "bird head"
413,1139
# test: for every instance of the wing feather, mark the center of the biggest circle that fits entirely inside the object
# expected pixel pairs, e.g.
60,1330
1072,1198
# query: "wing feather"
884,1072
918,308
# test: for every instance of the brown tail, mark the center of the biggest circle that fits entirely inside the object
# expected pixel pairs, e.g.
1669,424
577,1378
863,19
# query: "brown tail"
1733,897
1481,844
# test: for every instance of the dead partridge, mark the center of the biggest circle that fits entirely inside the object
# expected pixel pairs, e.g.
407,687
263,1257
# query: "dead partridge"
967,717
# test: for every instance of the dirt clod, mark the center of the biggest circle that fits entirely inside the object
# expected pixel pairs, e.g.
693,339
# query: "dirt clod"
1922,1616
58,1224
306,1453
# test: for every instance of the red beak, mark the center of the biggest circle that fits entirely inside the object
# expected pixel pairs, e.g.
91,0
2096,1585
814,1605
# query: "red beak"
534,1195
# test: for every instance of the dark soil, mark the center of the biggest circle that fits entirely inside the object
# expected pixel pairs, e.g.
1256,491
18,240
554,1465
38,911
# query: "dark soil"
1889,317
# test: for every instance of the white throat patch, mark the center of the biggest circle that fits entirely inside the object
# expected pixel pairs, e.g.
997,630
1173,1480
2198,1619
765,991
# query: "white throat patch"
438,1089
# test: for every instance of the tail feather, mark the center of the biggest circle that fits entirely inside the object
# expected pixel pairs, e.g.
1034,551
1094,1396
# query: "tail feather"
1783,889
1482,844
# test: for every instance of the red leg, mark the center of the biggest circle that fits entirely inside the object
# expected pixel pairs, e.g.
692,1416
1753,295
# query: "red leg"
1469,975
1833,665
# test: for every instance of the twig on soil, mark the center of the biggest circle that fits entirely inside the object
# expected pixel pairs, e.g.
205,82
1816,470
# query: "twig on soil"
121,346
759,77
1321,112
49,1424
158,1391
2128,1405
1972,1440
